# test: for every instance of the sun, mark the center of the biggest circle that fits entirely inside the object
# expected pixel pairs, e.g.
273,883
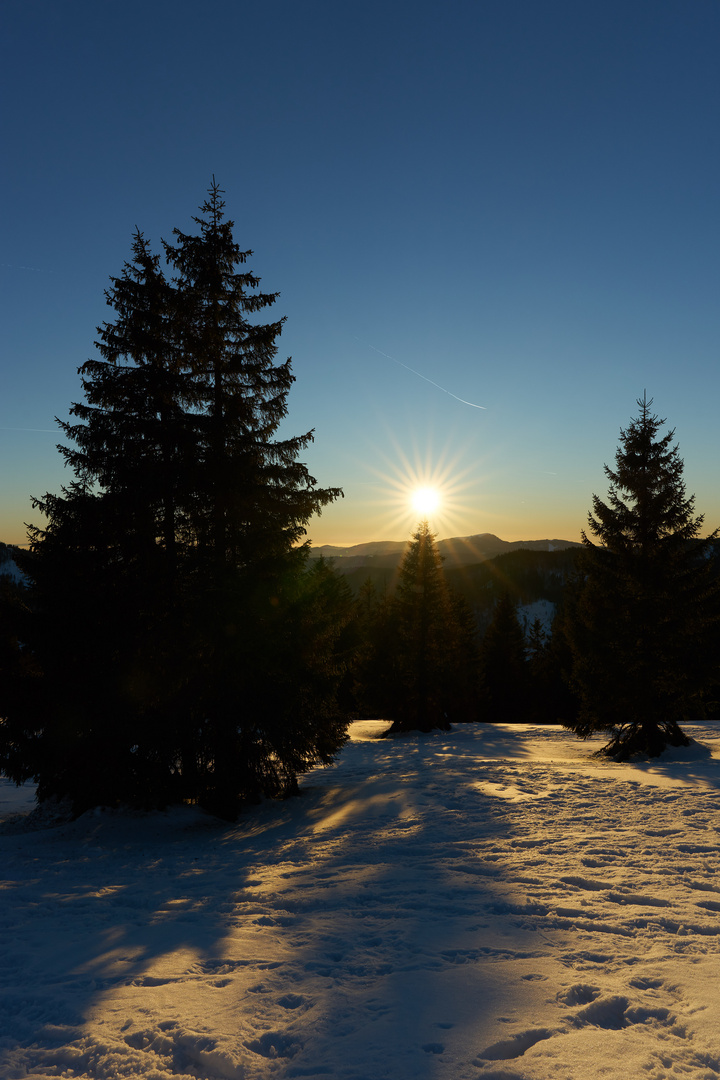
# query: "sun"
425,501
420,482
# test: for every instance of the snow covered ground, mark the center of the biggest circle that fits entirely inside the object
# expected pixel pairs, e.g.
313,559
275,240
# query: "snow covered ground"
544,610
491,904
10,569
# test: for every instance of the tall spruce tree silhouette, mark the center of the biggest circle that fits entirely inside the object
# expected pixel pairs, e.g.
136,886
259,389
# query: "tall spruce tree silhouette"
639,620
426,683
251,500
185,650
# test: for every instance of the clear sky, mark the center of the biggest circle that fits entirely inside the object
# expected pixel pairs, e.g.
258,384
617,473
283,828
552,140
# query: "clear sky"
514,203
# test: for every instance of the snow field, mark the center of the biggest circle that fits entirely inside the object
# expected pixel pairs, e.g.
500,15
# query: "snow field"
488,903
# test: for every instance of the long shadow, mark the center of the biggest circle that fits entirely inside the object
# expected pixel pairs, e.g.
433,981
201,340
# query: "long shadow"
692,765
318,918
380,921
111,902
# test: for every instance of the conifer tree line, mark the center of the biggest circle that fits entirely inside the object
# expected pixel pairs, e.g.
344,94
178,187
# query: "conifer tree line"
174,641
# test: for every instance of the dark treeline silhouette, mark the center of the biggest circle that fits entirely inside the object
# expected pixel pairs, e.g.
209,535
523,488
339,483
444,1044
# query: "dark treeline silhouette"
426,657
525,574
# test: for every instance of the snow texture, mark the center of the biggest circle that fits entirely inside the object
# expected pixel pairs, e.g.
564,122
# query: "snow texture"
10,569
491,903
544,610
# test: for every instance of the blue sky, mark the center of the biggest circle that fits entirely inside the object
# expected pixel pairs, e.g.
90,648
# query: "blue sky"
514,201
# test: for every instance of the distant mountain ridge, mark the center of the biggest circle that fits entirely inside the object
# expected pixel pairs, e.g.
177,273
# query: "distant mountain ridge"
457,551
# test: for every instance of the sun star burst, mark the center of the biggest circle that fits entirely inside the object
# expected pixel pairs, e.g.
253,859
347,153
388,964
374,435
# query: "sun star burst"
425,501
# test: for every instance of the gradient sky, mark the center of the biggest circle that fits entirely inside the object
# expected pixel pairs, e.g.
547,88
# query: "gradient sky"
515,203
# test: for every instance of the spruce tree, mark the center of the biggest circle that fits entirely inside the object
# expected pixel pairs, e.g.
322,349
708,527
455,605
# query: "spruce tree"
253,497
639,618
463,680
504,665
104,568
377,686
170,590
553,700
250,501
429,641
136,436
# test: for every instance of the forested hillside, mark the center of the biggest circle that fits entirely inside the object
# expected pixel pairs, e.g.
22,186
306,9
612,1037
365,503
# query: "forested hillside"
528,576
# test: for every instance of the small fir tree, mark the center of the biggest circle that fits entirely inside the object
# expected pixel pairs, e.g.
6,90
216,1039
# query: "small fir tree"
427,640
536,644
505,670
646,600
463,683
554,700
377,684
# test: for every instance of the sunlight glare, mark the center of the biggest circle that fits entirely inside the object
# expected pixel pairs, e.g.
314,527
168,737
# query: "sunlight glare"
427,473
425,501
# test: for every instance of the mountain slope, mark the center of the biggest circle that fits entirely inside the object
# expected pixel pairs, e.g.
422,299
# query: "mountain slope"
457,551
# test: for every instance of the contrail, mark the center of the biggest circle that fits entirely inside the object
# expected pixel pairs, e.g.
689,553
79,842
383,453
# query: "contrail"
34,269
49,430
420,376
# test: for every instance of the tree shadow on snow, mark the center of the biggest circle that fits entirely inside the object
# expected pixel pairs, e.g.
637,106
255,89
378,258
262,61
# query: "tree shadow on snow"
693,765
331,928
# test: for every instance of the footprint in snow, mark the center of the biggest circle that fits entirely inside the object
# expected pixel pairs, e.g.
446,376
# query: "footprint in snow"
274,1044
578,994
708,905
614,1013
291,1001
515,1046
574,959
637,899
646,983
